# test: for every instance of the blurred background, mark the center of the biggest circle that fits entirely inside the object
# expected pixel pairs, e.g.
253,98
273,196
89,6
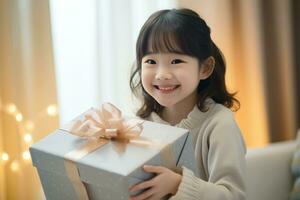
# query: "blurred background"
60,57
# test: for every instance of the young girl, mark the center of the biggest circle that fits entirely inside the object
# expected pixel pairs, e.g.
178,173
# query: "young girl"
180,75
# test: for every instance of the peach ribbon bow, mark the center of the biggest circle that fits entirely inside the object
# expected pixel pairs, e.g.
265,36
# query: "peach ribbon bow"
107,123
98,127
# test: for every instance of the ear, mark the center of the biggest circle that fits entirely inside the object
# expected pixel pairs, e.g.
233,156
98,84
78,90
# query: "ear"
206,68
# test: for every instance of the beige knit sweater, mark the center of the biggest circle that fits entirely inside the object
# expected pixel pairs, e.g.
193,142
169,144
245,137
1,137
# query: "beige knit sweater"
220,153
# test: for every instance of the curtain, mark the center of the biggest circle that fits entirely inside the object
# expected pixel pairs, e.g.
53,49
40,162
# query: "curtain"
27,93
280,68
259,41
296,50
94,49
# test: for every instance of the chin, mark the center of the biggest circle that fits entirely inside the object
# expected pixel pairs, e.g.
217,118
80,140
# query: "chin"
166,104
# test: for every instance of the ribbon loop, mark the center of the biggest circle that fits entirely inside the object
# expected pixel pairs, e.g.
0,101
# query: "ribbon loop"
107,123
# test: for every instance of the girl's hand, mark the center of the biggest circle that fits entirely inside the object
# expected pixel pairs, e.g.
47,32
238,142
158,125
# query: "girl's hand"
165,182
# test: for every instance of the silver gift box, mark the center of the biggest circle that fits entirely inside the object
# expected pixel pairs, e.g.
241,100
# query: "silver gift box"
106,173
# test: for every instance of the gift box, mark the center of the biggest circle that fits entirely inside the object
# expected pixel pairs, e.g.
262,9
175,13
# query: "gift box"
73,165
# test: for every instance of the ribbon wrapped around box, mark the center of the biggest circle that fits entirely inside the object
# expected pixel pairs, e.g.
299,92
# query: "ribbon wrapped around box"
100,154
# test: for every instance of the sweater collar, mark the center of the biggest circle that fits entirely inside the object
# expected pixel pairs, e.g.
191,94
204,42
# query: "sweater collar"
194,118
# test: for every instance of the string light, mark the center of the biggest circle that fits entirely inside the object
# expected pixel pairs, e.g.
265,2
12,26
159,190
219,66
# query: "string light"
4,156
11,108
52,110
26,155
14,166
27,137
29,126
19,117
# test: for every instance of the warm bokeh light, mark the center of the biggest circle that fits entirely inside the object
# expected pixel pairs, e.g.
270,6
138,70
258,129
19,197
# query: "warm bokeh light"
26,155
29,126
52,110
14,166
19,117
11,108
5,156
27,137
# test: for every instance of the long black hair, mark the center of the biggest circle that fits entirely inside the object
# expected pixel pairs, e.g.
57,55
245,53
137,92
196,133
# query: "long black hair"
180,31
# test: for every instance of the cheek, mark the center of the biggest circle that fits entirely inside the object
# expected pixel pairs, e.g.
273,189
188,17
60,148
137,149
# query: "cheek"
189,80
146,79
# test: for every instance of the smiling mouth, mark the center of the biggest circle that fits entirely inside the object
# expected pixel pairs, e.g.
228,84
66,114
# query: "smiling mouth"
166,89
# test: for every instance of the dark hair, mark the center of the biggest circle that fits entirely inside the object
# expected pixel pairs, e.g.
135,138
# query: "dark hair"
180,31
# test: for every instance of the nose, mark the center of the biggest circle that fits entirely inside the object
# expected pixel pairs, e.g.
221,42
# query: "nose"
163,74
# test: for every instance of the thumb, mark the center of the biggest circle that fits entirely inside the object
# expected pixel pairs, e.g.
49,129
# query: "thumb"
154,169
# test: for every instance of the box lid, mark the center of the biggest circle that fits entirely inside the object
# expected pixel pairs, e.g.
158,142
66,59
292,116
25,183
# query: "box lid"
105,162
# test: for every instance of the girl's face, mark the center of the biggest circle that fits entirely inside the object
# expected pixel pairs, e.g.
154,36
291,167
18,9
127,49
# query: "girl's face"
170,78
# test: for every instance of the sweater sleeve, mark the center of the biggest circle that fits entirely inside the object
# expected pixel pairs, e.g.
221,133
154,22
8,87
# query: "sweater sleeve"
225,163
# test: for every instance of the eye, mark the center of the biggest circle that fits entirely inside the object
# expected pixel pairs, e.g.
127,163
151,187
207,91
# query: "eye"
150,61
177,61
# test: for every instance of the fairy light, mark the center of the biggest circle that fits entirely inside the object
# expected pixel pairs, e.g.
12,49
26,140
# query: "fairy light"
52,110
26,155
5,156
19,117
11,108
27,137
14,166
29,126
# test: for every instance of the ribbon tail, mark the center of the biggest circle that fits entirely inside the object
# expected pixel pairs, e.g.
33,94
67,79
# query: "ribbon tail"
72,170
73,175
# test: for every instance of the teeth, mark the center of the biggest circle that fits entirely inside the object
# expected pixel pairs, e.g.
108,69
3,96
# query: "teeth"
166,88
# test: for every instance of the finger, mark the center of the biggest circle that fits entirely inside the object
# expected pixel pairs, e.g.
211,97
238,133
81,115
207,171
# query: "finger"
154,169
148,193
148,198
142,185
153,197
